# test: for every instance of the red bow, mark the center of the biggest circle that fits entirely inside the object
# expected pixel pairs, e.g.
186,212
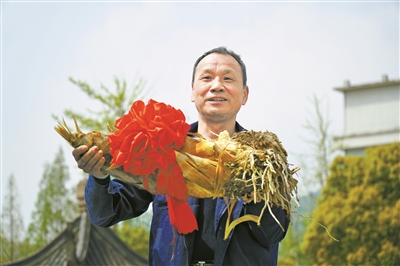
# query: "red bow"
144,141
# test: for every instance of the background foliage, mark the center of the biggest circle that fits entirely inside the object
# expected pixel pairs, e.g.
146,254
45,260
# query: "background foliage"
54,206
114,103
314,164
12,227
360,206
136,237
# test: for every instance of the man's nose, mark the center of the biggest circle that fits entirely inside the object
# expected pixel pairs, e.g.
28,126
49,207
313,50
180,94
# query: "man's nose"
217,85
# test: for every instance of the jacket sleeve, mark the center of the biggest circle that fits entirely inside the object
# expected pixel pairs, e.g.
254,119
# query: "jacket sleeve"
111,201
269,232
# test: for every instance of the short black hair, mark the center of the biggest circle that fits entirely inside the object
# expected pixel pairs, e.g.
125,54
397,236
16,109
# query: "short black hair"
223,50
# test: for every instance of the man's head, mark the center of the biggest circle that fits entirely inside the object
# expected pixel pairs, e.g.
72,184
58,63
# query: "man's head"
218,89
223,50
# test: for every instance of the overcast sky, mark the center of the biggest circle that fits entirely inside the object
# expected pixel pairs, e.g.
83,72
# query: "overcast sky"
291,51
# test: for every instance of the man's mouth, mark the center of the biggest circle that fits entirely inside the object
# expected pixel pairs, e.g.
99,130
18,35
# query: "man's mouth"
217,100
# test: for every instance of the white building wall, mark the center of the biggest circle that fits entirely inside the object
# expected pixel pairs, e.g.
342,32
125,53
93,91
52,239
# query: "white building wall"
372,110
372,116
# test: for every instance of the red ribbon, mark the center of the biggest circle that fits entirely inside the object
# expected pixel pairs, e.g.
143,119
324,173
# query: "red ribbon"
144,141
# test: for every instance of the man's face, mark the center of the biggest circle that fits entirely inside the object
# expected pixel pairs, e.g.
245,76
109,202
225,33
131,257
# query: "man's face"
217,88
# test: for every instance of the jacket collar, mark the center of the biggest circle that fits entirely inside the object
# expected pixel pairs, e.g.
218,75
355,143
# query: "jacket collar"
195,126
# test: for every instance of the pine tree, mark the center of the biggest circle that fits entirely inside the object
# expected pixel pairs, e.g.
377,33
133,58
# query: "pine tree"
12,227
54,206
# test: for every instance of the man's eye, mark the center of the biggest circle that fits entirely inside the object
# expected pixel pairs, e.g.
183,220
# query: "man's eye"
206,78
228,78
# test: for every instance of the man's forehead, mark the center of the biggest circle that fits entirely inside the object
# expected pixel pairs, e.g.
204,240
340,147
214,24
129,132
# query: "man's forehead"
207,63
207,69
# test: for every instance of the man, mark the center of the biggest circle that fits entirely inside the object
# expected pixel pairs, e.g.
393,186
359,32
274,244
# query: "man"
219,89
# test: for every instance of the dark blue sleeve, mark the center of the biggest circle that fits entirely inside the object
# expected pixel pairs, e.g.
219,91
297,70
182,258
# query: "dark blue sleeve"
251,244
111,201
269,232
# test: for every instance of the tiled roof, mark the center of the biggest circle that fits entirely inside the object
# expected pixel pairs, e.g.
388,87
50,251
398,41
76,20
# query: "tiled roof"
83,243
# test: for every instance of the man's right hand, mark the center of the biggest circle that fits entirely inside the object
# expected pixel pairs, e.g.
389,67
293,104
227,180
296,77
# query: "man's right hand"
90,160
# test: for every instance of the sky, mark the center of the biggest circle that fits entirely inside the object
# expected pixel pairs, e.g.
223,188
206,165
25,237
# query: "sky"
292,50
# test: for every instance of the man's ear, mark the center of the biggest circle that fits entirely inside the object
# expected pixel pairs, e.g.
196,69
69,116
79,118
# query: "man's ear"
192,94
245,95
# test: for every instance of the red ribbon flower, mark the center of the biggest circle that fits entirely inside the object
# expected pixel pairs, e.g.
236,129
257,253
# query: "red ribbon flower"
144,141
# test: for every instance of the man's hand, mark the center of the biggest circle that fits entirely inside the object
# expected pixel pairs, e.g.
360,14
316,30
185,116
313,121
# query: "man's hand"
90,160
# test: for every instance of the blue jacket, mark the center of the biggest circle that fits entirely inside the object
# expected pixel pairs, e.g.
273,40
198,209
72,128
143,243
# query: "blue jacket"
111,201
